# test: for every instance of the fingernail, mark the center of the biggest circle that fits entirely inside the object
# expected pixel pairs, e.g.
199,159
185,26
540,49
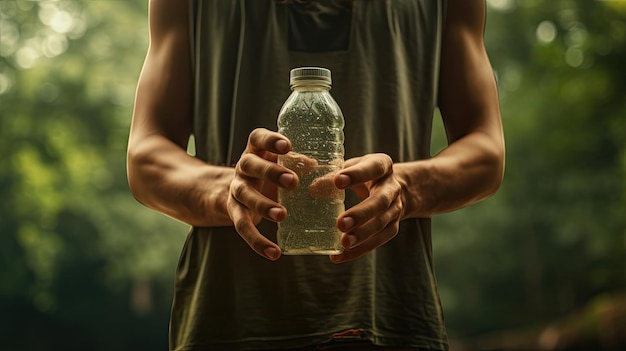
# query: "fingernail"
351,239
348,222
281,145
286,179
271,253
344,181
275,212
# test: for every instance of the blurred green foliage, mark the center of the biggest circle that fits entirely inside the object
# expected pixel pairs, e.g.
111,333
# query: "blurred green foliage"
554,236
83,266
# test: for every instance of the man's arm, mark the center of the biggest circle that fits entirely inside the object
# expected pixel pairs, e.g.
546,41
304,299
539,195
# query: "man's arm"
164,177
468,170
472,166
161,174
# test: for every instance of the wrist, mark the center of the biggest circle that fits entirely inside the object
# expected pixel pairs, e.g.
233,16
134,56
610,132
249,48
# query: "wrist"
196,194
411,177
208,197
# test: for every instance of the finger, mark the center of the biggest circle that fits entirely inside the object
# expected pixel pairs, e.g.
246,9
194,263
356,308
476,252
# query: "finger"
262,140
369,245
253,200
298,162
244,225
364,169
382,197
255,167
324,186
382,223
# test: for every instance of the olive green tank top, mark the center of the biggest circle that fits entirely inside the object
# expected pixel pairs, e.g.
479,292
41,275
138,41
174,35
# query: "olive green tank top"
384,59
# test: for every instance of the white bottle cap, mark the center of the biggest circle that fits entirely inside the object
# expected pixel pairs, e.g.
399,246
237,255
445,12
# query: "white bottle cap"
310,76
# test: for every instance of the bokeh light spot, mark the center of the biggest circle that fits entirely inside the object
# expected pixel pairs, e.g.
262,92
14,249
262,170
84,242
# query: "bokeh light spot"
577,35
26,57
574,57
546,32
501,5
61,22
54,45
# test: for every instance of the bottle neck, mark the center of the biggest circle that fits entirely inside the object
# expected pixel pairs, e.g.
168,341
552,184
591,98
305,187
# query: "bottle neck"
310,87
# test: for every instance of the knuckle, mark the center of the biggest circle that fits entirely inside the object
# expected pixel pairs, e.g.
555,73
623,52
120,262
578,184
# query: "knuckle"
397,186
388,195
230,200
398,210
254,135
260,138
387,159
268,169
380,166
237,190
384,162
244,162
399,205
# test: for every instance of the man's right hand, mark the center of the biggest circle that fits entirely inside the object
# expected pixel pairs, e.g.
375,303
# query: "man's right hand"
253,190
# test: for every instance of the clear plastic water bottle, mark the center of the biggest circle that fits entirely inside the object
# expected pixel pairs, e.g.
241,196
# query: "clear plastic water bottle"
313,121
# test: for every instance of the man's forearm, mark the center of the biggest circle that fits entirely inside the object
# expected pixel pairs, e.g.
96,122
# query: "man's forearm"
164,177
467,171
